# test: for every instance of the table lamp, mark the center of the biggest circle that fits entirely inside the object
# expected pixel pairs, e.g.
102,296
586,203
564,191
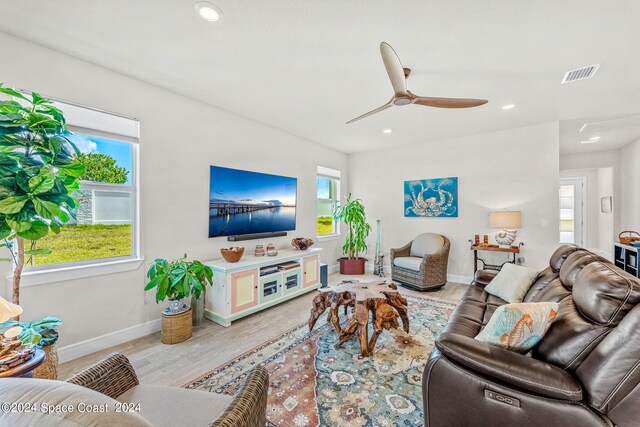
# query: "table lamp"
8,310
508,221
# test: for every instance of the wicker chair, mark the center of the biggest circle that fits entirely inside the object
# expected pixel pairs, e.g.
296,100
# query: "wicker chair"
115,377
422,263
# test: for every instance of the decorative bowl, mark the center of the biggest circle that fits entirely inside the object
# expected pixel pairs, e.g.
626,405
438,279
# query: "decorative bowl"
302,243
628,237
232,254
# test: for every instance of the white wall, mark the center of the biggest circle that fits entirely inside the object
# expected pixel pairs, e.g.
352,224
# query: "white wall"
606,230
630,187
179,139
515,169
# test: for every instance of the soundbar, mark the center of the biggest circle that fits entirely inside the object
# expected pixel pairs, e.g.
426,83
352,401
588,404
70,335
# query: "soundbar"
255,236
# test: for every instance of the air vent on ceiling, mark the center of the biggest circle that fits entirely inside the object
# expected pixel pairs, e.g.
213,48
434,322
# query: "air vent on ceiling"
580,73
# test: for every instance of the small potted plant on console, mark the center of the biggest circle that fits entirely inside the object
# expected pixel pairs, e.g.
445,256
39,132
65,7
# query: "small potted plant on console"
351,212
176,281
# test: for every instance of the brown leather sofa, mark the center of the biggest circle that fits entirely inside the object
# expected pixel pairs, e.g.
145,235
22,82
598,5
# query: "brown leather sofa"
584,372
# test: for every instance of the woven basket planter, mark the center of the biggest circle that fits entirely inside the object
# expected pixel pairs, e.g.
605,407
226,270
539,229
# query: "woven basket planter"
48,370
176,327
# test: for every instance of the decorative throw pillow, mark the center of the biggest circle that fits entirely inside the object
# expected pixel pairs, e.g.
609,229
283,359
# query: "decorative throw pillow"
512,282
519,327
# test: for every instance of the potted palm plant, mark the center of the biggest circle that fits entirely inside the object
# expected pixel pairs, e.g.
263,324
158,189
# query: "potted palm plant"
176,281
352,213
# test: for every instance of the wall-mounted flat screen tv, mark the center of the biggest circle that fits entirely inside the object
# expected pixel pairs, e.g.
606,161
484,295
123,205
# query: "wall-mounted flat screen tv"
244,202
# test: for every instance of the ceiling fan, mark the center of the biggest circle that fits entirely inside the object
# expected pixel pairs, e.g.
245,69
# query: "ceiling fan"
402,96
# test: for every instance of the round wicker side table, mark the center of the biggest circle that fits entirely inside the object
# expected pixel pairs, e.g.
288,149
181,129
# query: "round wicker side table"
49,369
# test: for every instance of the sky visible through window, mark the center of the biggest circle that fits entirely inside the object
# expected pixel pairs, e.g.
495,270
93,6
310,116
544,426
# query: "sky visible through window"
323,188
120,151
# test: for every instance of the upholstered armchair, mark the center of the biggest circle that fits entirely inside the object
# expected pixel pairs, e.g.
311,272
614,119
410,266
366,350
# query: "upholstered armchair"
115,377
422,263
113,382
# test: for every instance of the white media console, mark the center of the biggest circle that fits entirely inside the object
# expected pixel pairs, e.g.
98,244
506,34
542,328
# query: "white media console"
239,288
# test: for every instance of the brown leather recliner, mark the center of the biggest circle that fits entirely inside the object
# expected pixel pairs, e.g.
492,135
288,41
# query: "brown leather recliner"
584,372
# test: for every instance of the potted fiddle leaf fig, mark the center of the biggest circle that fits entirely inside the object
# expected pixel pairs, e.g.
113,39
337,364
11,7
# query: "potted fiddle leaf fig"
352,213
176,281
43,333
39,172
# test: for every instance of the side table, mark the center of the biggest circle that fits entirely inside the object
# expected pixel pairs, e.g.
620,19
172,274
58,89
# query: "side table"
512,251
25,370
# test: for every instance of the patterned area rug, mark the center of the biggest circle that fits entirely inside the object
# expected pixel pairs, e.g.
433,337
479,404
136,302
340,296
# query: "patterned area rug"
313,384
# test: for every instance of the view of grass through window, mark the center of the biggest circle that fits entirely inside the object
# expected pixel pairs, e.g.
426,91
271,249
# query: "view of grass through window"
327,196
103,224
325,225
85,242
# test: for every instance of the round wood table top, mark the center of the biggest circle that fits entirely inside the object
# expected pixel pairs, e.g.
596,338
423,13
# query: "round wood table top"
25,369
362,290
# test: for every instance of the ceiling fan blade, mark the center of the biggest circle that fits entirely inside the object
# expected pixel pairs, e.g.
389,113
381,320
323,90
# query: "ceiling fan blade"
394,68
449,102
377,110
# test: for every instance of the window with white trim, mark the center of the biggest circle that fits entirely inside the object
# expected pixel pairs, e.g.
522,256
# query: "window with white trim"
328,193
106,225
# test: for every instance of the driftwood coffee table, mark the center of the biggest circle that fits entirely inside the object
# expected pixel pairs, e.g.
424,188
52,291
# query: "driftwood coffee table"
382,301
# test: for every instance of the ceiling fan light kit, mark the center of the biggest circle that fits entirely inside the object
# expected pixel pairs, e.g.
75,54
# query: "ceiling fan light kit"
402,96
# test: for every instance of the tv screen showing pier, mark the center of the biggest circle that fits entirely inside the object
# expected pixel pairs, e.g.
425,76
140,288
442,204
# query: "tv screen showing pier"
244,202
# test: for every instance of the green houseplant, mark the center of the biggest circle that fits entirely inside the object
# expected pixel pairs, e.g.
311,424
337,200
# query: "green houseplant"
352,213
178,280
43,333
39,173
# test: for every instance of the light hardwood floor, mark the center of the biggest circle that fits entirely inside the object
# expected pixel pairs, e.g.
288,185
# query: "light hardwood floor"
213,345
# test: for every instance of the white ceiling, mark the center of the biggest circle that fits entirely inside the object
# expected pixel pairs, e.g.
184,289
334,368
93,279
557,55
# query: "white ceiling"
611,133
307,66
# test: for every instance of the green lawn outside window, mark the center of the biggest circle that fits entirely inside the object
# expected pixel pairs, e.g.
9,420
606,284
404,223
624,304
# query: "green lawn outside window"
85,242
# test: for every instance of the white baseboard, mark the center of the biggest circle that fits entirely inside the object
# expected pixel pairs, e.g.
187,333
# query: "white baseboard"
465,280
334,268
82,348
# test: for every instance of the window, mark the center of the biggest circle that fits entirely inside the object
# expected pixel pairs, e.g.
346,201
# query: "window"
328,193
571,210
105,227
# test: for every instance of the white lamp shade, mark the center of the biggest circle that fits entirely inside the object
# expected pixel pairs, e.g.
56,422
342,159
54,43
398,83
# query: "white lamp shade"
505,219
8,310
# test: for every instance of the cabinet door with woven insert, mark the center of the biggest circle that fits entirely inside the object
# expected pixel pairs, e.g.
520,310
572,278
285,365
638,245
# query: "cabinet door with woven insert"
244,290
311,271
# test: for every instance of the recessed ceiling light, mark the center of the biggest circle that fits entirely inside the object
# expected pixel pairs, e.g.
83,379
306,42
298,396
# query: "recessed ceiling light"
589,141
508,106
594,138
208,12
387,131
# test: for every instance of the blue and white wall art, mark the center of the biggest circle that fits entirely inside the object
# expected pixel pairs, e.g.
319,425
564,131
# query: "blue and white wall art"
431,198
